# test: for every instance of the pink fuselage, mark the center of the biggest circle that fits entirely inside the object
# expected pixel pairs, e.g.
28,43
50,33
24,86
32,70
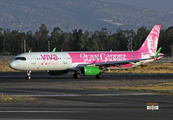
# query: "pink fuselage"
99,57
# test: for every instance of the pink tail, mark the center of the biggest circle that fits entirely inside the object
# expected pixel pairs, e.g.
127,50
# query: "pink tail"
150,44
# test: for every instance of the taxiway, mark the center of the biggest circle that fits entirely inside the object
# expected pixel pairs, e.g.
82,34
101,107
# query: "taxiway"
62,97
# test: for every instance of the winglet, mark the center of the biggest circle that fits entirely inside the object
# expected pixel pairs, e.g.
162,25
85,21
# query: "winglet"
158,52
54,50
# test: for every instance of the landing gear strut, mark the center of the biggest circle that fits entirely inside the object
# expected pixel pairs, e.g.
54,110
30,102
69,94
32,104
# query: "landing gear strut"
99,76
28,77
76,75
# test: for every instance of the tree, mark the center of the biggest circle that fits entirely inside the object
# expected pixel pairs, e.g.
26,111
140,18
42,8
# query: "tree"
55,38
64,42
166,40
21,38
92,44
77,40
1,39
80,40
12,41
30,41
122,40
41,38
142,34
12,44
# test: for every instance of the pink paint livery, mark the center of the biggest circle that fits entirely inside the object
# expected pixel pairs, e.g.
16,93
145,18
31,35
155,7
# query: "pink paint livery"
49,57
150,44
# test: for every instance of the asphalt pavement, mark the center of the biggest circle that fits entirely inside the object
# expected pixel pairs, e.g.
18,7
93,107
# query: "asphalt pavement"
62,97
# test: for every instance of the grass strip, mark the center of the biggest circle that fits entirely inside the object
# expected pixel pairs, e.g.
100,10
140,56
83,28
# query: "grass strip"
150,88
9,98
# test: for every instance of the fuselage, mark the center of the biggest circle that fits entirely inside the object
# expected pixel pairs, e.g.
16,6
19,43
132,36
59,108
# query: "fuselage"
56,61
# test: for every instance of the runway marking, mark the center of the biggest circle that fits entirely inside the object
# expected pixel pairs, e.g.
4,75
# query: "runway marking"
76,95
41,111
50,95
33,119
123,94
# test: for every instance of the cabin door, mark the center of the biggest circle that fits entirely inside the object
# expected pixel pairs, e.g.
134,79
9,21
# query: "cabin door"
64,59
33,60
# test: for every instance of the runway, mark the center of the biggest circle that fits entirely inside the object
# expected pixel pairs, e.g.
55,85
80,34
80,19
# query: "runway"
62,97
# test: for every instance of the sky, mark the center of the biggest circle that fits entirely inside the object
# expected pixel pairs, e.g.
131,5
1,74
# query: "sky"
161,5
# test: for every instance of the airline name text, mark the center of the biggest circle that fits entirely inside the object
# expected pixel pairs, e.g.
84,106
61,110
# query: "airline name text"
103,57
52,57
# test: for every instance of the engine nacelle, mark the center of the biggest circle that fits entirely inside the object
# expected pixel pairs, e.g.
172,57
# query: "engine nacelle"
89,70
57,72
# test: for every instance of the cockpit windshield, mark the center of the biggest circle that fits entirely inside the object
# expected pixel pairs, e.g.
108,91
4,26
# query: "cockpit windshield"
20,58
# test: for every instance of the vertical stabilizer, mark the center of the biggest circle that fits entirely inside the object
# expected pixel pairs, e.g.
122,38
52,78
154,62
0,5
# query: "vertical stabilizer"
150,44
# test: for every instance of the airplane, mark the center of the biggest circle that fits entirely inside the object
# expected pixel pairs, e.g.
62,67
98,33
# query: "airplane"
89,63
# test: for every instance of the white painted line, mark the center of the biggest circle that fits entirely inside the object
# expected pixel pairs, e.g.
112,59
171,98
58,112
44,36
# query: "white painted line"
40,111
49,95
32,119
75,95
123,94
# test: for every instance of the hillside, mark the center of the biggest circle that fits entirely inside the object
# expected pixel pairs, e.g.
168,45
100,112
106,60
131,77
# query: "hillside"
160,5
70,14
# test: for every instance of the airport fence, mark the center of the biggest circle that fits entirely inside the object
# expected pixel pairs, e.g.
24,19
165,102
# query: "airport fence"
165,60
7,58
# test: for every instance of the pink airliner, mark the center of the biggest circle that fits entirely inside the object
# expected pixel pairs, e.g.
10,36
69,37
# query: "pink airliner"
89,63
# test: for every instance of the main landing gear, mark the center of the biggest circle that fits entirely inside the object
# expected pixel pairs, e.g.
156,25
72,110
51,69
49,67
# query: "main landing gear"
28,77
76,75
99,76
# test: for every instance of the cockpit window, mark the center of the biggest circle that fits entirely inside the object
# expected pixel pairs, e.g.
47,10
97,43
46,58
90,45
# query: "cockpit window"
20,58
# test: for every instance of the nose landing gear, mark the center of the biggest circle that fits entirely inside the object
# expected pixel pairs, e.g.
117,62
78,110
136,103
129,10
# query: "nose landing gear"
28,77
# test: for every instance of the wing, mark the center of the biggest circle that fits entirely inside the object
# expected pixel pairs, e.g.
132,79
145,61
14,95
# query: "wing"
119,63
114,63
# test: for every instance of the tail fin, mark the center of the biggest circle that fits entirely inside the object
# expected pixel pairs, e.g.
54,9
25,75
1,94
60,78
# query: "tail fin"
151,42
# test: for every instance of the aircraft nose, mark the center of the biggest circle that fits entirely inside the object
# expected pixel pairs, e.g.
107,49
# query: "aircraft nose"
12,64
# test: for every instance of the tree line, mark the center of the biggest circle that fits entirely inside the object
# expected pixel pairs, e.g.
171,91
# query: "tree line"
12,42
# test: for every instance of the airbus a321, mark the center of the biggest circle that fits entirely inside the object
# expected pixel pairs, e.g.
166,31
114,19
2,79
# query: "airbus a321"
88,63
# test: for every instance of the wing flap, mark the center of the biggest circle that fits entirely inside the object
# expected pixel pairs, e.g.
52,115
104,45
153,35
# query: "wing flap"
114,63
119,62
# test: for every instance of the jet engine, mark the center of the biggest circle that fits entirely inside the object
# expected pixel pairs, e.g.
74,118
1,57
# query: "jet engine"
89,70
